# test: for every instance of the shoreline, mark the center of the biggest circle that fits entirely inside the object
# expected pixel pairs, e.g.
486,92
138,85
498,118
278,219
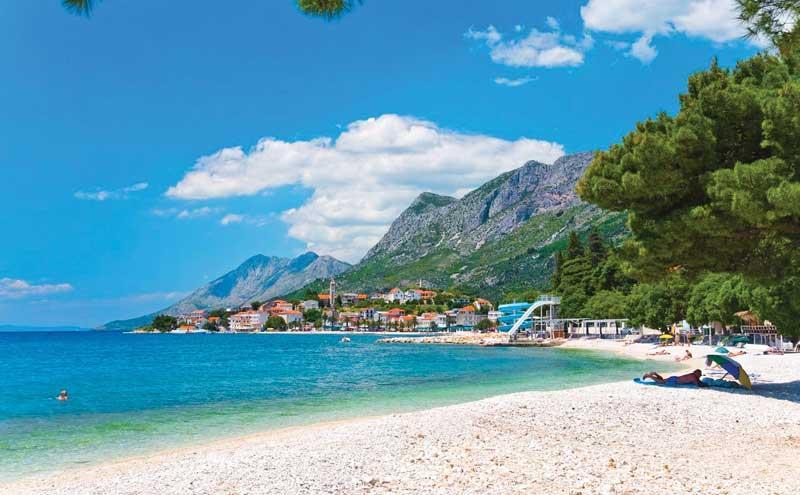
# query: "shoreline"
188,468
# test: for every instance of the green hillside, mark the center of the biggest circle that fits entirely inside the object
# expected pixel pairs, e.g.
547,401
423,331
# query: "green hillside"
519,261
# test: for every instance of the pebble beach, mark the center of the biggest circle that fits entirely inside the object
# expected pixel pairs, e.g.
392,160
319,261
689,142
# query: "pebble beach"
618,438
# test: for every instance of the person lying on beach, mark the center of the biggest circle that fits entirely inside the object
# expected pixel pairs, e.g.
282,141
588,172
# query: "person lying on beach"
63,395
687,356
662,352
737,353
688,378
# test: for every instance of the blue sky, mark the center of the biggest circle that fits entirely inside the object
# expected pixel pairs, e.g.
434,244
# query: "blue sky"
155,146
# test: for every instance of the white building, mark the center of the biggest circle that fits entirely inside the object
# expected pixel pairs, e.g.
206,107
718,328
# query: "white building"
247,321
368,314
394,295
493,316
412,295
309,305
290,316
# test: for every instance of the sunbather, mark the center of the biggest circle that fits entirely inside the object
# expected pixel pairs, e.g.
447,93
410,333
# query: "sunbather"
688,378
662,352
687,356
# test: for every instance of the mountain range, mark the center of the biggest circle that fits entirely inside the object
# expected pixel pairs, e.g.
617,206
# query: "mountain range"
497,241
258,279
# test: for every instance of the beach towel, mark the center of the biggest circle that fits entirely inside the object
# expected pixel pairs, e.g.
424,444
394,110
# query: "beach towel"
719,383
669,382
673,382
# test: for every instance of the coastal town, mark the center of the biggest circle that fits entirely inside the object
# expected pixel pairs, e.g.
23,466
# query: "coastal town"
394,310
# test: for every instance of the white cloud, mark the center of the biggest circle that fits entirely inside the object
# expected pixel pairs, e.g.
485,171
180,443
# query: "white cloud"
491,36
715,20
231,218
103,194
11,288
362,179
536,49
196,212
234,218
618,45
513,83
643,50
186,213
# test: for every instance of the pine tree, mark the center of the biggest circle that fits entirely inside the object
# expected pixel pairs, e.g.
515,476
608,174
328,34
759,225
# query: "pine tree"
558,260
574,247
597,249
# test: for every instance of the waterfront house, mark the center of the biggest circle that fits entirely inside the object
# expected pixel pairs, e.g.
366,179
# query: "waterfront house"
466,317
196,318
289,316
426,321
394,315
247,321
368,314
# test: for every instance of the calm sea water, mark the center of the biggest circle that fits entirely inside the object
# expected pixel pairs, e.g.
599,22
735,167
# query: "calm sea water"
131,394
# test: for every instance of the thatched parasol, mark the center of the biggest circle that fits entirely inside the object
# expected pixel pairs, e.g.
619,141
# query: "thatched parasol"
747,317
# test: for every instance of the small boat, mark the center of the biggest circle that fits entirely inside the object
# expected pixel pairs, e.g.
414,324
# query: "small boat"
345,340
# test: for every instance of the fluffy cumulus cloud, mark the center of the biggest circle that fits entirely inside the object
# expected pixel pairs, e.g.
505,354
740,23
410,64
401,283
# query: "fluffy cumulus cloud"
11,288
715,20
106,194
643,50
362,179
535,49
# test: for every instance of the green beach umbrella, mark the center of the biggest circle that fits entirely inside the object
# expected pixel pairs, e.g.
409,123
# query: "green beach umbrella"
732,367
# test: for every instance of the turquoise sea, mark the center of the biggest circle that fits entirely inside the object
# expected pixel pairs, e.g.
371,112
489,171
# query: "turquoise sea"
132,394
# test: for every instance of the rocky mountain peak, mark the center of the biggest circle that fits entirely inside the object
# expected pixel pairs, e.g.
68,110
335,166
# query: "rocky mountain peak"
492,210
258,278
